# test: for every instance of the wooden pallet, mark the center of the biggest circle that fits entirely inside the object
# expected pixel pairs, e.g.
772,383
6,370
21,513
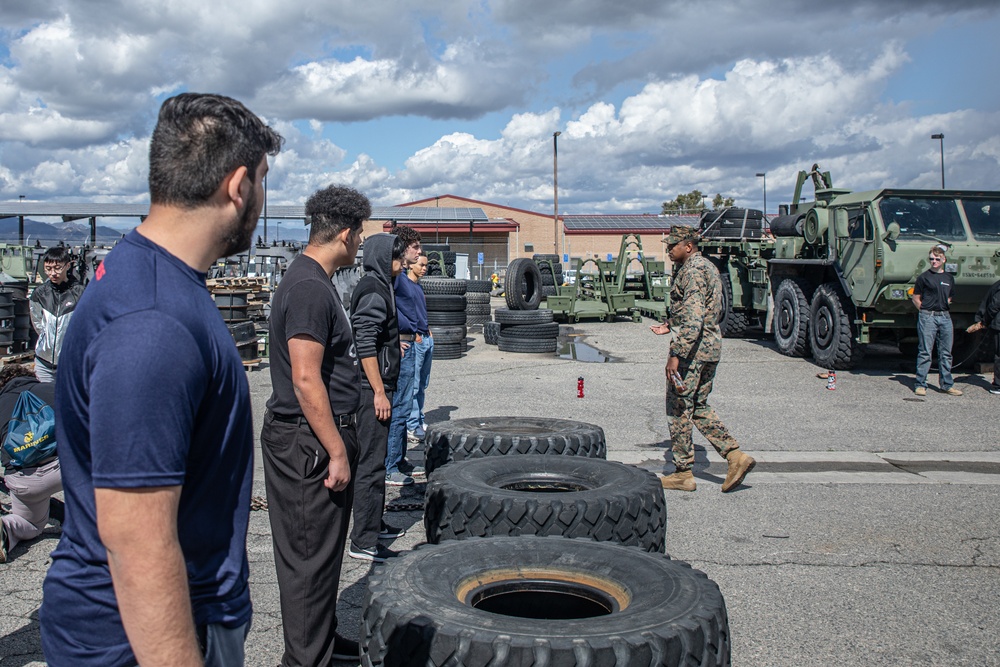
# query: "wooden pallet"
19,358
251,364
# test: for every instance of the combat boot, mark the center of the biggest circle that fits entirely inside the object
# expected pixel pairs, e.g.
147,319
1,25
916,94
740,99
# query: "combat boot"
739,465
679,481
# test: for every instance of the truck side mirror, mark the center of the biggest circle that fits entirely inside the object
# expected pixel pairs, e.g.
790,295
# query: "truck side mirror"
891,232
840,222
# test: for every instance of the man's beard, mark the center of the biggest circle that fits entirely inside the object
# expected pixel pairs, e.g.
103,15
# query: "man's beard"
239,237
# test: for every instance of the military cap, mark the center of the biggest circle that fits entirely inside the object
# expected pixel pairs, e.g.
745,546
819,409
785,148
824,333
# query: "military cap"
679,233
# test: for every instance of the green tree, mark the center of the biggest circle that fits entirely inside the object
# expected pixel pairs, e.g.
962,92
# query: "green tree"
720,202
692,202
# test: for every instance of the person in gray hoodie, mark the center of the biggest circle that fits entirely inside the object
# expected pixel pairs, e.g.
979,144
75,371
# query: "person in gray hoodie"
376,338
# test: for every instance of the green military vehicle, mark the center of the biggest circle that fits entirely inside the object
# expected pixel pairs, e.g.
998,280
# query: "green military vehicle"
837,273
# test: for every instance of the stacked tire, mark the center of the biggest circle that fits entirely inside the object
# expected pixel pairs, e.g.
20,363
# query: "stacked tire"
551,271
446,316
477,301
526,331
440,260
540,553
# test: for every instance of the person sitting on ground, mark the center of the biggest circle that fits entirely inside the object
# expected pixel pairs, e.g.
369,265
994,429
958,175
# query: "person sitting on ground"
30,487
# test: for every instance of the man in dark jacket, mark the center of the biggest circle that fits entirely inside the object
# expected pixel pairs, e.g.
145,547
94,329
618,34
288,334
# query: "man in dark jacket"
30,488
376,338
988,317
52,304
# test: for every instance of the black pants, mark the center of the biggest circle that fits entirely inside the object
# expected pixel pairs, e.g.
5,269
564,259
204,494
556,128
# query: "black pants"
309,530
369,483
996,358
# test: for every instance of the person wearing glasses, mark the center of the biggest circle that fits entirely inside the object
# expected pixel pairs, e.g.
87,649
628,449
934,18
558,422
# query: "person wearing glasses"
51,306
932,296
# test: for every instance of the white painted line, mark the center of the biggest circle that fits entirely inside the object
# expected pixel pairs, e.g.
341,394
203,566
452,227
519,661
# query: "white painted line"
979,457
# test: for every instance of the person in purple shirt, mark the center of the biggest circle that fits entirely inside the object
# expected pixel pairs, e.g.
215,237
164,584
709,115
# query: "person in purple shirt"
153,416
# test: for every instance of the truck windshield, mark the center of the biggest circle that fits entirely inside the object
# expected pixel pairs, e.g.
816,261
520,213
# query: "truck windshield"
984,218
924,218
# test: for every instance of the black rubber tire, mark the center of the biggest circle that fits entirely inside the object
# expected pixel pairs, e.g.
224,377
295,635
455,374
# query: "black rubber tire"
477,319
507,316
791,318
733,323
549,330
434,271
477,297
491,332
568,496
548,290
522,285
446,318
547,280
445,302
446,335
442,286
449,270
449,350
526,345
546,257
478,309
830,331
434,247
479,286
581,603
475,438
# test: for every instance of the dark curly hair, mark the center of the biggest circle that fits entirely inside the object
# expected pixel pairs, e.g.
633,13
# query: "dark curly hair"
333,209
11,371
408,234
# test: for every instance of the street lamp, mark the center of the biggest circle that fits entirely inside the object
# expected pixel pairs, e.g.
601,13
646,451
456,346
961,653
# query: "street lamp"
555,190
763,174
940,137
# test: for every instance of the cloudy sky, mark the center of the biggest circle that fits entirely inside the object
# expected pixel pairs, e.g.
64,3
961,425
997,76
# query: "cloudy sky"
407,100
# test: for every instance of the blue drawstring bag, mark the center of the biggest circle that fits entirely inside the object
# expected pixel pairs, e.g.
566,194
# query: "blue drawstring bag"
31,435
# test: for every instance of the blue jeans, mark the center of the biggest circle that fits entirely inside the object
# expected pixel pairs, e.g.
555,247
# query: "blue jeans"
402,402
424,351
222,646
934,329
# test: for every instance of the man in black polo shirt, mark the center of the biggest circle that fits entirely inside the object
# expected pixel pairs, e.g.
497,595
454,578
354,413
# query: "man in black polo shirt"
309,441
932,296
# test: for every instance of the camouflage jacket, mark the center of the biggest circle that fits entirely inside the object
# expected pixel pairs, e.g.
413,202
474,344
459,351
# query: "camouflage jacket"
695,306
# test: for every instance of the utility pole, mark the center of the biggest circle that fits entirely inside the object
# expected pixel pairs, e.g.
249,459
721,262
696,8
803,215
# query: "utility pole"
940,137
555,192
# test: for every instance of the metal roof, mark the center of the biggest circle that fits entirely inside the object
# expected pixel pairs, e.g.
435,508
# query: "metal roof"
88,210
618,223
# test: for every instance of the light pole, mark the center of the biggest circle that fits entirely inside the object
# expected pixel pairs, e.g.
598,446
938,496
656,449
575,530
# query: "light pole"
940,137
555,191
763,174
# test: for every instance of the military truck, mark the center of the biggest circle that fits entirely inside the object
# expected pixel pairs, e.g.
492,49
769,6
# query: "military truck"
837,273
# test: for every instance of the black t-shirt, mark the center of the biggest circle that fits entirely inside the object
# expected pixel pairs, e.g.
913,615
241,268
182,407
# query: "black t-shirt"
306,302
934,289
8,400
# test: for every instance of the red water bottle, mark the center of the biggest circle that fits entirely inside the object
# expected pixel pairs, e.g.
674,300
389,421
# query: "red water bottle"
831,380
579,387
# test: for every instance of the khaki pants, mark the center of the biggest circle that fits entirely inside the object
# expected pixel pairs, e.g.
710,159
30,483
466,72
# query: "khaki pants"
30,490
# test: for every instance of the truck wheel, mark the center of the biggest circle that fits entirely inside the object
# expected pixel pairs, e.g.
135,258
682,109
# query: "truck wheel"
522,285
732,323
567,496
831,334
791,318
475,438
541,601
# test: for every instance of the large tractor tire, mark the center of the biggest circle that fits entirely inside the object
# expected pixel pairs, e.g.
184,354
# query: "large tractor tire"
527,345
522,287
541,601
791,318
733,323
567,496
500,436
830,331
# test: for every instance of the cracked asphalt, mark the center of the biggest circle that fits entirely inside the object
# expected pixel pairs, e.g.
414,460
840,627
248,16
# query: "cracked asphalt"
867,534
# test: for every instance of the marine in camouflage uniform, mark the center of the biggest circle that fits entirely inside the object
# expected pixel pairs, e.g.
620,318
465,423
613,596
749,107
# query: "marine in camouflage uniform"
695,307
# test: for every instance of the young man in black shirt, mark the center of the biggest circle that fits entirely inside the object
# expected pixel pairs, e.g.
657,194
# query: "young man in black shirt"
932,296
988,317
309,440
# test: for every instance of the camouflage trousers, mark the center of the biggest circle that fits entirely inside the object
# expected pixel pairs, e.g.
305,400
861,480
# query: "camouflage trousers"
691,407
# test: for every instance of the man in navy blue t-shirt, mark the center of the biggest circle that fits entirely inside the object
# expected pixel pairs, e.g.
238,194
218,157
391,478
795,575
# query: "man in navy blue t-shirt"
153,416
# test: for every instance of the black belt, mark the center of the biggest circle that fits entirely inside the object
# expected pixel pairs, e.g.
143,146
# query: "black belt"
938,312
407,337
340,420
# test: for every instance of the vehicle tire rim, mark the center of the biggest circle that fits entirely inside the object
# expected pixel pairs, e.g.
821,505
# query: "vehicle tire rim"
824,327
540,483
542,594
786,319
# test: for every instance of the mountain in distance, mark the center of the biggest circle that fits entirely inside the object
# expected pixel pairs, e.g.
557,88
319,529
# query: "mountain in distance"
77,233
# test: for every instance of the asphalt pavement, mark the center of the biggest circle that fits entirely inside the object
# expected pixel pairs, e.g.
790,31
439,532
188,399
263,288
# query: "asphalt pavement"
866,535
